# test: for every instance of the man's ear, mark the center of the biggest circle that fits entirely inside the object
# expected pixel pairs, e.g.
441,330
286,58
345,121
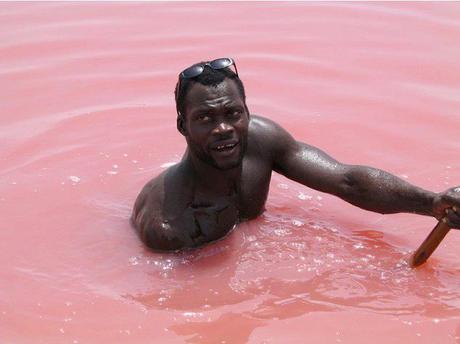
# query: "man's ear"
247,111
181,124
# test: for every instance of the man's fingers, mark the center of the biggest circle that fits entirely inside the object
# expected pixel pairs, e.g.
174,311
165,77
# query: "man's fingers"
452,218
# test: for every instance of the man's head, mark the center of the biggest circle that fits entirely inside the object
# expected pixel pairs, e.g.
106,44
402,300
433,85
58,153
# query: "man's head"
213,116
208,77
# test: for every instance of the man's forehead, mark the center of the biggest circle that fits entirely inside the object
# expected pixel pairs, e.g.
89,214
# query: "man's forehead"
200,93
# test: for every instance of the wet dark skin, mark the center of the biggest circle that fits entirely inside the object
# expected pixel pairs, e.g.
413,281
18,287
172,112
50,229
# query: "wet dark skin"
224,175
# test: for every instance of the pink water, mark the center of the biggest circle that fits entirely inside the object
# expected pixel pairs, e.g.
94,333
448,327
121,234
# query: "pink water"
87,118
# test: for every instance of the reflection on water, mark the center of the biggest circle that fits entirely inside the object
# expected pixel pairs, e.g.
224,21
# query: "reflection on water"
87,118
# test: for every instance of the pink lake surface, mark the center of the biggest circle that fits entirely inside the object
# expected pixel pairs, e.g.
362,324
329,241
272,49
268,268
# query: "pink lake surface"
87,117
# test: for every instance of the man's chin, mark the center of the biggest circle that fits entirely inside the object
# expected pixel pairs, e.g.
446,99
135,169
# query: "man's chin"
227,165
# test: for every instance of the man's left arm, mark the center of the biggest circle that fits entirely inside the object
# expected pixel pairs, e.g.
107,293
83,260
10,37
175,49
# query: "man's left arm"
366,187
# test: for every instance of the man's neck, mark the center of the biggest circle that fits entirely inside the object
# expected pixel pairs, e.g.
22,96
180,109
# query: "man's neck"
210,179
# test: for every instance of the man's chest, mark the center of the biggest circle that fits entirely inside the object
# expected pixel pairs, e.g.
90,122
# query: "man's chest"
253,191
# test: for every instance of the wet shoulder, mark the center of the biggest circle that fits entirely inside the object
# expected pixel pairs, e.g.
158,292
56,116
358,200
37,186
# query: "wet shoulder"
266,136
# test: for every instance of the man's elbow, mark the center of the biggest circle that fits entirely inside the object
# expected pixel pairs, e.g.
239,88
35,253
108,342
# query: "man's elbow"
351,187
158,239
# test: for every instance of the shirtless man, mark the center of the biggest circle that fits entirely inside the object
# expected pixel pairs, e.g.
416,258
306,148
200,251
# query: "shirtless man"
224,175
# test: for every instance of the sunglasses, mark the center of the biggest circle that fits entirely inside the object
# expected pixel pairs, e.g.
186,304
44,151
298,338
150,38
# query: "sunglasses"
197,69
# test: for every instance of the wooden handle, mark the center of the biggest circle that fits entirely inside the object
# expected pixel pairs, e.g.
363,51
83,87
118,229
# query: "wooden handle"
430,244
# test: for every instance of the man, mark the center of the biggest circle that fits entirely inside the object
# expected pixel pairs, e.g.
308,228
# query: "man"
224,175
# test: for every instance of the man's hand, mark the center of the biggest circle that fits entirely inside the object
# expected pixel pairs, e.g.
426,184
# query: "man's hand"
447,205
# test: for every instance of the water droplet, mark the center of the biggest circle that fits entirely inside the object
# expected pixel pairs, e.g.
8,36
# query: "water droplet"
133,260
74,179
304,197
297,223
358,246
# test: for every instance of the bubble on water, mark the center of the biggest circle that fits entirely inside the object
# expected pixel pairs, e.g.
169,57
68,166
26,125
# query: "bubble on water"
358,246
251,238
436,321
125,155
405,176
319,198
67,319
112,172
115,166
281,232
298,246
283,186
192,314
134,161
297,223
133,260
303,196
61,330
74,179
168,164
13,183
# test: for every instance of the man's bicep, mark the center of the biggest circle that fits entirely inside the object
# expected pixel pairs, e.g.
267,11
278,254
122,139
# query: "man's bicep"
148,220
155,231
310,166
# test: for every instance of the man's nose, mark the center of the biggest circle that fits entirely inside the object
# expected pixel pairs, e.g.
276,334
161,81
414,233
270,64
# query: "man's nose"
223,128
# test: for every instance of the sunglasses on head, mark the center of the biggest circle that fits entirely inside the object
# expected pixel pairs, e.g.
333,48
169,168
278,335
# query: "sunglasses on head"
197,69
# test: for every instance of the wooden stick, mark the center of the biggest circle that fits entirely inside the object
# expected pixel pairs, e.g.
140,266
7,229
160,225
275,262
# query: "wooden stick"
430,244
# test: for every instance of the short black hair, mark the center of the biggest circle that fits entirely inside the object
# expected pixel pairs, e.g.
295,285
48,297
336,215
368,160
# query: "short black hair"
209,77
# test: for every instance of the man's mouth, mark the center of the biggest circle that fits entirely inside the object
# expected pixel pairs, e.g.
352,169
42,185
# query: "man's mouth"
224,146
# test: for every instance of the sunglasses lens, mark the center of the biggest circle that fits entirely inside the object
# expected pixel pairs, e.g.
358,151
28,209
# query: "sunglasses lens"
192,71
221,63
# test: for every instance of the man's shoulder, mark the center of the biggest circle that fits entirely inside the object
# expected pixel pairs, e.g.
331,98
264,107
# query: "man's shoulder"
259,123
161,199
267,134
157,192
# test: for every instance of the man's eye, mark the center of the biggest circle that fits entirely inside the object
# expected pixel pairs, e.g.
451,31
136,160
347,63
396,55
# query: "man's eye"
203,118
236,113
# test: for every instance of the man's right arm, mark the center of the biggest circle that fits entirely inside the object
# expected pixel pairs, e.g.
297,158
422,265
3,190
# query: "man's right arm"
184,223
147,219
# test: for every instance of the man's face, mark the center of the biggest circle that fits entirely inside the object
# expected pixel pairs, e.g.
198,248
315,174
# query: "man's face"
216,124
